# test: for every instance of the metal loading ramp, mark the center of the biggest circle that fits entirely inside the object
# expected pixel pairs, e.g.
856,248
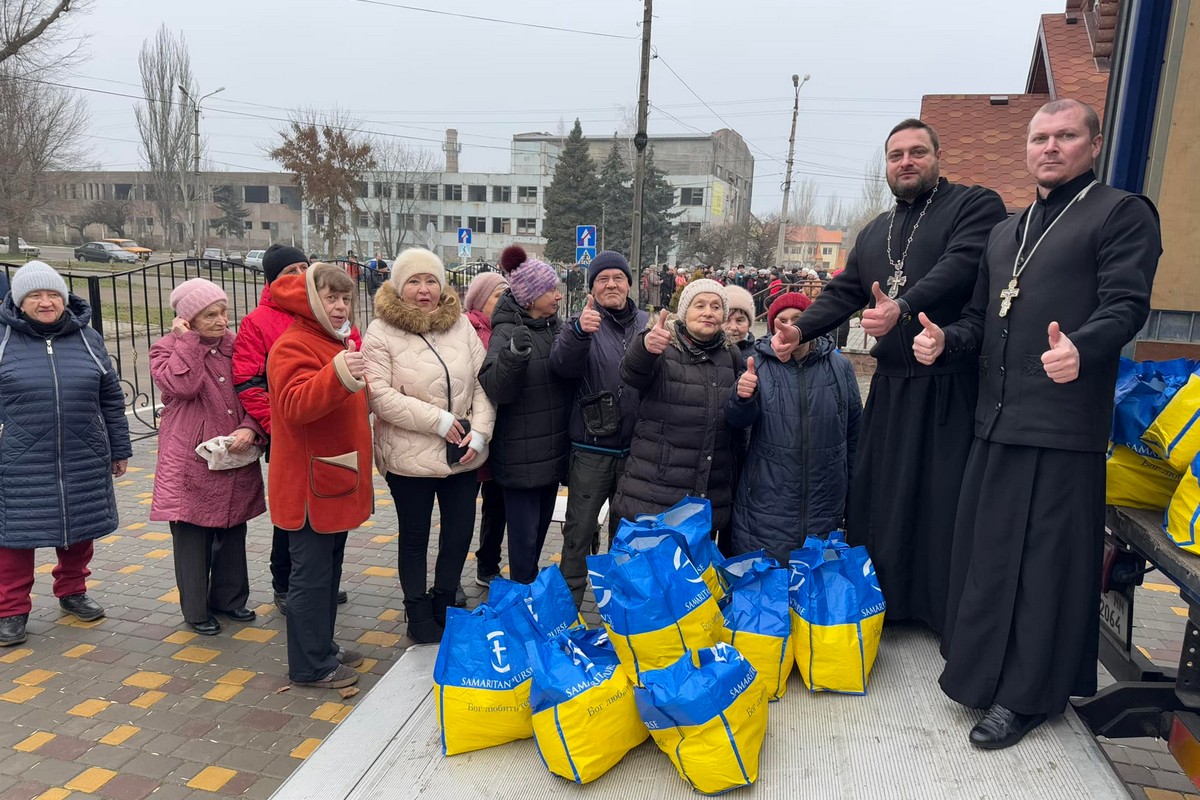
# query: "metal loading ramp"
904,739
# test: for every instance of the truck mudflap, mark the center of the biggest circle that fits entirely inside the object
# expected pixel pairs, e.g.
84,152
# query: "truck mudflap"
903,739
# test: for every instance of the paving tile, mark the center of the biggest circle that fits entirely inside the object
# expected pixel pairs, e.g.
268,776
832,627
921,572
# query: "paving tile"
211,779
130,787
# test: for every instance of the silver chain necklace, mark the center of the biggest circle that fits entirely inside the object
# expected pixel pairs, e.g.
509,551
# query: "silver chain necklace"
898,278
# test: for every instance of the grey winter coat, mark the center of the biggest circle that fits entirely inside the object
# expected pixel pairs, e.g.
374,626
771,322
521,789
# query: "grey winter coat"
529,445
62,425
796,474
681,442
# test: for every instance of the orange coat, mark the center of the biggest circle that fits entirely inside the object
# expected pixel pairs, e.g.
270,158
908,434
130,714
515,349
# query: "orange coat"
321,438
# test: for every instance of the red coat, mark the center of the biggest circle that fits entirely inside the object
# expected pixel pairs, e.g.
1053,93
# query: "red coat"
257,332
321,442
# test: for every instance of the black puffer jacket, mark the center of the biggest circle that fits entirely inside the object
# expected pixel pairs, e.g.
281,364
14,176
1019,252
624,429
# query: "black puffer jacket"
533,405
681,442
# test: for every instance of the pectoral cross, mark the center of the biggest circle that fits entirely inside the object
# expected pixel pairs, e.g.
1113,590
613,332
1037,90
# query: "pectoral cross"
1007,296
895,281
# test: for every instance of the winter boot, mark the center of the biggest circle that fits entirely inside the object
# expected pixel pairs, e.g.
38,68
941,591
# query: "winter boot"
422,628
441,601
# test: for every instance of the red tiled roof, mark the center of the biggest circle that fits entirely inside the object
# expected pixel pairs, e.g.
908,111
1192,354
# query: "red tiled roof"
984,144
1073,70
812,233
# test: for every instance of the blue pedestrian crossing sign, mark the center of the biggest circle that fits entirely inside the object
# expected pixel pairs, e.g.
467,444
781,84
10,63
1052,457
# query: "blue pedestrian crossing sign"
585,243
464,242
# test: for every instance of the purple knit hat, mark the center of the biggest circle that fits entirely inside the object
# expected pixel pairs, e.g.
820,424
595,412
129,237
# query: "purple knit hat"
528,278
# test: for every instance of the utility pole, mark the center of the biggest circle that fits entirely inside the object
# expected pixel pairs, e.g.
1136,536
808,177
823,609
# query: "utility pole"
639,169
197,221
787,180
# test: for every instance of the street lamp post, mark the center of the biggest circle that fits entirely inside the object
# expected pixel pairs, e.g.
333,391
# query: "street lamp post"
196,220
787,180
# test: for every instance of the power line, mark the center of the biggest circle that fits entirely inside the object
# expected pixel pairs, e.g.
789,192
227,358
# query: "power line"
498,21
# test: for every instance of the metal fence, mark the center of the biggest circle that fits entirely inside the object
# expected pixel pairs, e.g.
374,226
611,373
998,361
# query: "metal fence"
131,309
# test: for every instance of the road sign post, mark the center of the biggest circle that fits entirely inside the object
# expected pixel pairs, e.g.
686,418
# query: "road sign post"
585,244
464,242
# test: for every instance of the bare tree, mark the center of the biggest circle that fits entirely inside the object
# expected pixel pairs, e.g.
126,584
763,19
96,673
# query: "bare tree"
762,237
31,29
803,199
40,131
875,197
400,172
713,245
165,126
329,158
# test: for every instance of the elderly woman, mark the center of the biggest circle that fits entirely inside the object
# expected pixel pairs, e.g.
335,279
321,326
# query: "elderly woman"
533,406
63,437
480,301
206,508
320,476
684,369
432,425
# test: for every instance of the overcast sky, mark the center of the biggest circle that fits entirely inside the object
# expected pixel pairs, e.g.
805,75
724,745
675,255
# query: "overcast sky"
410,73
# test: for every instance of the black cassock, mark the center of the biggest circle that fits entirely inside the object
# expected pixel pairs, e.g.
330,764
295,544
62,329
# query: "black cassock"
1025,577
917,421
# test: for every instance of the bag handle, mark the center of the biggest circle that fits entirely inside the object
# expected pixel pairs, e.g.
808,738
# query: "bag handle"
445,369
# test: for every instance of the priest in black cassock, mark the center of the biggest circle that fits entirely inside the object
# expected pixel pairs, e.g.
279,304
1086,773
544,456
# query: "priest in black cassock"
920,257
1062,288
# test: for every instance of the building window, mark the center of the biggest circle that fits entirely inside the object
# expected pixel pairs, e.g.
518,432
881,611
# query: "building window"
691,197
316,217
429,191
451,191
477,194
501,194
406,191
249,225
687,230
527,194
383,190
290,196
364,219
527,226
407,221
450,223
427,220
826,251
266,226
360,189
477,224
256,194
501,225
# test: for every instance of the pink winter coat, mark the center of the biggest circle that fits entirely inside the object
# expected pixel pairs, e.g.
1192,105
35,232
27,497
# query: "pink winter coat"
200,402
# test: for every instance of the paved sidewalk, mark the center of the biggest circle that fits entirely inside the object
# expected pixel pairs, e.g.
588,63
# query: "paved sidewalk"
136,705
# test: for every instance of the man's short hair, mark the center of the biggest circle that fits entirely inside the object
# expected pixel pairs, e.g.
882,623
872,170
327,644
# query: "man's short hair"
1090,117
914,124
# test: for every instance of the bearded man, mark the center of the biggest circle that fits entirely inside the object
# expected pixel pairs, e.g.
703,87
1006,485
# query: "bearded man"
920,257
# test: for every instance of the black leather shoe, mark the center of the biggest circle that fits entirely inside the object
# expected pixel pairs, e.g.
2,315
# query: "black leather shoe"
343,598
281,602
81,606
1002,728
210,627
240,614
12,630
460,597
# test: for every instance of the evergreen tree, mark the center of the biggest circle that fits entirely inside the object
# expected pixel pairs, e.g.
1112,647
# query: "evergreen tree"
658,220
573,198
233,213
616,201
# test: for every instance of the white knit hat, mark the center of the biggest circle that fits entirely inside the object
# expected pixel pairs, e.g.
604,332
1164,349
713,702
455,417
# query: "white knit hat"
417,261
36,276
701,286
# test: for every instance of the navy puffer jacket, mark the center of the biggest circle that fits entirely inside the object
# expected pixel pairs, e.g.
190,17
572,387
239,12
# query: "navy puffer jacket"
529,444
796,476
62,424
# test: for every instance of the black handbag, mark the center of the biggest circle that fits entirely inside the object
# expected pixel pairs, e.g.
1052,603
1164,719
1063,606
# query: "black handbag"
454,452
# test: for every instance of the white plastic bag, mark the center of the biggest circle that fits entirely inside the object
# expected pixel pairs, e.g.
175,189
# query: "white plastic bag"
216,452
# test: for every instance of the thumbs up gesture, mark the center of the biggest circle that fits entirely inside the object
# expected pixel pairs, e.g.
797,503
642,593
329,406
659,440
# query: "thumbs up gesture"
748,383
883,317
355,363
930,342
589,318
658,337
1061,361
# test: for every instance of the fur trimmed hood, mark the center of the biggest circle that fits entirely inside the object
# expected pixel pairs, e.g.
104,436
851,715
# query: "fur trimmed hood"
395,311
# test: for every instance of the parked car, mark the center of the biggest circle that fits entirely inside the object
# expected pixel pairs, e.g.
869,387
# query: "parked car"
254,259
129,244
105,252
235,256
27,250
214,253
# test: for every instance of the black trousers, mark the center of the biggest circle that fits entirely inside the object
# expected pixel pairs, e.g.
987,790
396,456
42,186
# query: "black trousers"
312,602
491,528
528,512
210,569
281,561
414,507
592,481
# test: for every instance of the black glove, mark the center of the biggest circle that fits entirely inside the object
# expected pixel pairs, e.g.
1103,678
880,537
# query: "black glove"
521,342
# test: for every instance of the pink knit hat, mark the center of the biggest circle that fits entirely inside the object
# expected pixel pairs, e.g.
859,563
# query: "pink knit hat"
193,296
481,288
